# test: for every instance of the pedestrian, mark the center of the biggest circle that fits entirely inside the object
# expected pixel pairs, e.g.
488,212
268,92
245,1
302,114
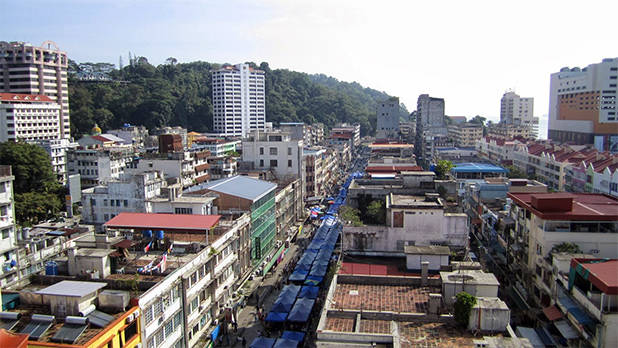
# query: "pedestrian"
244,342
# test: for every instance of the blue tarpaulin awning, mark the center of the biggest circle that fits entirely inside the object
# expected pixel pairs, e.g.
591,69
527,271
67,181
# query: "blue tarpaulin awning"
285,343
298,275
309,291
313,280
286,299
276,317
301,310
262,342
293,335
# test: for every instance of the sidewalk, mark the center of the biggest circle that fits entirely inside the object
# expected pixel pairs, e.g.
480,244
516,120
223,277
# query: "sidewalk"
266,288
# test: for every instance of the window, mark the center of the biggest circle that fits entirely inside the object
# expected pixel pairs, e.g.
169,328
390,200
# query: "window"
273,163
289,151
261,163
126,203
130,331
183,210
289,163
273,151
5,234
261,150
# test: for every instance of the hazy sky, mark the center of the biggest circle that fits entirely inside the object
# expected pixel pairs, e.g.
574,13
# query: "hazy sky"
468,52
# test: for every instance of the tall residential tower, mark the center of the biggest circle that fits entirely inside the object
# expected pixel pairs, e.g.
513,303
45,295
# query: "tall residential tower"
582,105
518,111
388,118
238,98
27,69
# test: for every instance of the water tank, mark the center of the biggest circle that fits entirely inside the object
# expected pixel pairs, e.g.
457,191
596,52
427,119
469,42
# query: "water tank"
159,234
147,234
51,268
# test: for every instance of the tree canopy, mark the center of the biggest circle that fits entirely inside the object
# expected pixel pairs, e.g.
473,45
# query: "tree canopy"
443,168
515,173
179,94
38,195
566,247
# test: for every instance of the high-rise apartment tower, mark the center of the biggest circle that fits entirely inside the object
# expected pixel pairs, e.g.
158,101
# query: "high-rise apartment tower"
27,69
238,98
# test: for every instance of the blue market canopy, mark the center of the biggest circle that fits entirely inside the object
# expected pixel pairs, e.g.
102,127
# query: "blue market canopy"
313,280
318,270
303,267
301,310
262,342
276,317
286,299
285,343
298,275
309,291
293,335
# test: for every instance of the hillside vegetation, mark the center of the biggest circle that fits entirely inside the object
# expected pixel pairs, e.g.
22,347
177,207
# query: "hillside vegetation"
180,95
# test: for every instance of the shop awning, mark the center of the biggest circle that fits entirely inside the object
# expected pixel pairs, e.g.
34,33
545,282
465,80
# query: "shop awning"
552,313
566,330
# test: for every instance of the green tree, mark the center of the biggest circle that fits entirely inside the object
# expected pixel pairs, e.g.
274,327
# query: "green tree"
463,306
566,247
376,212
515,173
38,195
31,167
350,215
443,168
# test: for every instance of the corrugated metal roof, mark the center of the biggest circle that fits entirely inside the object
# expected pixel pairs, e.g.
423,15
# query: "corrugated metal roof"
241,186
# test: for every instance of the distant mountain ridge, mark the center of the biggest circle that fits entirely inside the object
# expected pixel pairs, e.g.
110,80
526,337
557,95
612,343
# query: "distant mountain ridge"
180,95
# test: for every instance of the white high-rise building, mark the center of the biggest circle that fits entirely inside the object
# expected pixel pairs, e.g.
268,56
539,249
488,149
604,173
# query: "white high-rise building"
518,111
27,69
582,105
238,98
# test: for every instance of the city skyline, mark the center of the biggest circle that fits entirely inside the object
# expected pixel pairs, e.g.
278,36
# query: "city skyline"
511,48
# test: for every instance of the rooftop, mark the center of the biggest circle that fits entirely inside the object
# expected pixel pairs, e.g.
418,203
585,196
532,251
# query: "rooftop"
16,97
569,206
427,250
477,167
469,276
602,273
409,201
71,288
185,222
381,298
240,186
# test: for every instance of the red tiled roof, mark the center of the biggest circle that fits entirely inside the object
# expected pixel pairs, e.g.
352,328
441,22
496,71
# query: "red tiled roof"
586,206
602,273
16,97
185,222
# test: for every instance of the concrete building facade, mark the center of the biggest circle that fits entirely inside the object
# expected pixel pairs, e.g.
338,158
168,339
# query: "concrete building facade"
29,117
387,115
582,105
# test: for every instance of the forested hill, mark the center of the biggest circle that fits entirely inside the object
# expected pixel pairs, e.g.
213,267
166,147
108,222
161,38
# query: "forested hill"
180,95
